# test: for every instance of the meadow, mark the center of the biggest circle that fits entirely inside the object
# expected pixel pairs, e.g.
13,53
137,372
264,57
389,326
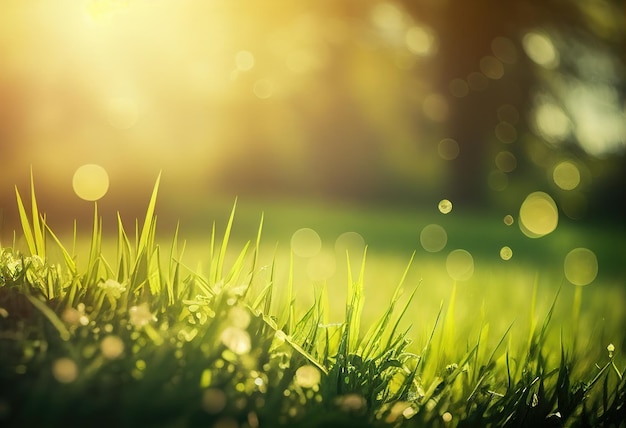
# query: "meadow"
303,315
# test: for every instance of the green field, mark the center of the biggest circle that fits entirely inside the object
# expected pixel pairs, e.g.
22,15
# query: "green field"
345,341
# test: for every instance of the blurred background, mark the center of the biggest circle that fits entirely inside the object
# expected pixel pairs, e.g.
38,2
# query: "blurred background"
431,125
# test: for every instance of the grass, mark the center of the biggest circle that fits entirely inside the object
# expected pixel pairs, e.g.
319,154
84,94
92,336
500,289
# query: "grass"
143,339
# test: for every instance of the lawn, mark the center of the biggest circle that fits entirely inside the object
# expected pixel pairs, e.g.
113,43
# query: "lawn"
147,328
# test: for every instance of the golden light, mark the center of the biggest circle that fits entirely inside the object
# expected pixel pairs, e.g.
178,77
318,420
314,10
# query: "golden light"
444,206
506,161
112,347
308,376
306,242
433,238
448,149
504,49
65,370
90,182
551,122
460,265
538,215
581,266
540,49
566,175
491,67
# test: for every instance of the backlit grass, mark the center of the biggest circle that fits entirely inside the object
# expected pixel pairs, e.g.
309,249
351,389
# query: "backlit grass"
142,338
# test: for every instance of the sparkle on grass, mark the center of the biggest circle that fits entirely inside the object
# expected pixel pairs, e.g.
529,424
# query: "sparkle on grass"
445,206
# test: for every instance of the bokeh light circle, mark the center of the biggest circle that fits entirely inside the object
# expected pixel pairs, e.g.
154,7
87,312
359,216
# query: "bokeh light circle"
508,219
321,266
350,242
122,112
460,265
566,175
64,370
580,266
448,149
506,253
433,238
444,206
538,215
90,182
306,242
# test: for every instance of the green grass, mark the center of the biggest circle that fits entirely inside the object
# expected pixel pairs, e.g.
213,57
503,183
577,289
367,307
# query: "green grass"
141,338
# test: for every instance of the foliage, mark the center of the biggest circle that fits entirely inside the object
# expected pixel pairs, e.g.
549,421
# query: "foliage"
147,341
